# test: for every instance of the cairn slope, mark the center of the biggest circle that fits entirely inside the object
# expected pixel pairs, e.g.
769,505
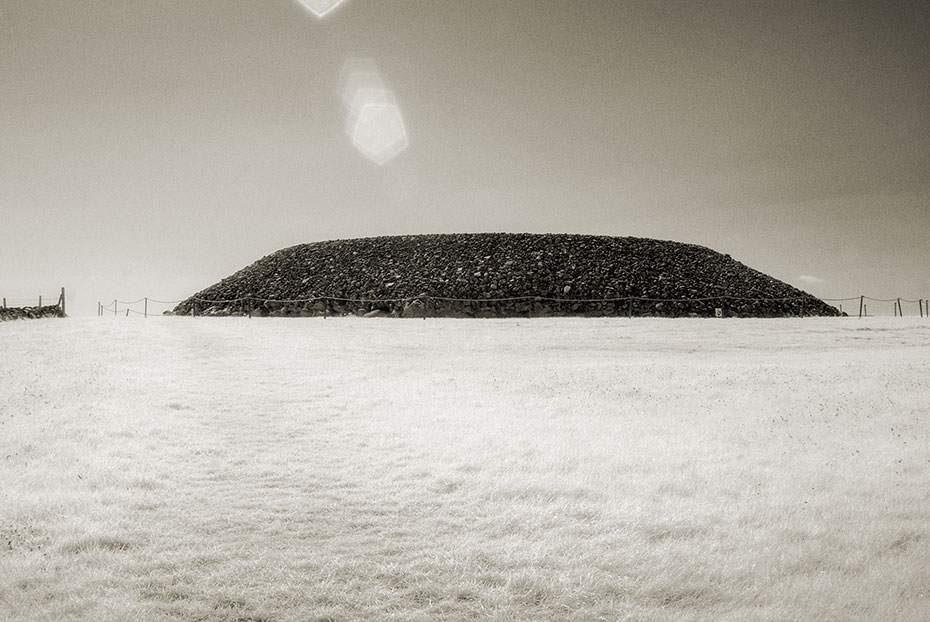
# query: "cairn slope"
548,274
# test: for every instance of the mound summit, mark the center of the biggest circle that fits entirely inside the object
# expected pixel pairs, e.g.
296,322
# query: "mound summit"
501,275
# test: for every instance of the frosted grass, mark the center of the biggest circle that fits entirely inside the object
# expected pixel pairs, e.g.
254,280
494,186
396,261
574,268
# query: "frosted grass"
550,469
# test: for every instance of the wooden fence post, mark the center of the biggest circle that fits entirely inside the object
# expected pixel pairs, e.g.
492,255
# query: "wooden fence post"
920,303
145,309
900,308
4,303
114,307
40,302
861,304
61,301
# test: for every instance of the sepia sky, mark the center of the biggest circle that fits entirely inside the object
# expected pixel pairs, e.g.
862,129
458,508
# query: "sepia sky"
151,148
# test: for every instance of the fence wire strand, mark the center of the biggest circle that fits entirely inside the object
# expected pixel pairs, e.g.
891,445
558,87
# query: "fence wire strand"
114,306
47,301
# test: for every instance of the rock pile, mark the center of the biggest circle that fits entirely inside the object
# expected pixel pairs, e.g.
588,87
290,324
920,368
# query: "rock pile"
501,275
29,313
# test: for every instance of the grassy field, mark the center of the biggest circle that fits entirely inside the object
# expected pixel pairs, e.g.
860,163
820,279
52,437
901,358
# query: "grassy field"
279,470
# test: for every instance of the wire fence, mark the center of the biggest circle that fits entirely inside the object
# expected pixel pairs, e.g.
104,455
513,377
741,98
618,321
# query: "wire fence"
127,307
40,304
422,304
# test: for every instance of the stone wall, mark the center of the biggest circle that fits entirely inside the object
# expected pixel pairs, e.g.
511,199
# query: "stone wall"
29,313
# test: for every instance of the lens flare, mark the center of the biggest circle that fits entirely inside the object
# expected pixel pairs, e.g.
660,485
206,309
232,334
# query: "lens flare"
379,132
320,8
373,118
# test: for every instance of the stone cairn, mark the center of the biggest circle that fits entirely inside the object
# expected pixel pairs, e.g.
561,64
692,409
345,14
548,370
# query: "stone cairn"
501,275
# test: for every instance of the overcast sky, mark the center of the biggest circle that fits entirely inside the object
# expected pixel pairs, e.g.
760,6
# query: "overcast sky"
151,148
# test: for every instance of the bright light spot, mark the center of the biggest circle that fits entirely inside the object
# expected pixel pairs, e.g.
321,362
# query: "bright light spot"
373,118
380,132
321,7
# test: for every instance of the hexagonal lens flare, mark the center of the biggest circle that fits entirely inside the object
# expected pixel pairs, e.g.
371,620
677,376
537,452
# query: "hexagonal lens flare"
320,7
379,132
373,120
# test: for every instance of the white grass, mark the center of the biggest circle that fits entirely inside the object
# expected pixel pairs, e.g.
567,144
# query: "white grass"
567,469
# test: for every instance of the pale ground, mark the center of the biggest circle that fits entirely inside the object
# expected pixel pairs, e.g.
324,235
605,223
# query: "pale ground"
226,469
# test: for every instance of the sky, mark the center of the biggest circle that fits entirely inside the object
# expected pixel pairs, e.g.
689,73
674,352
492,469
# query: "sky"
152,148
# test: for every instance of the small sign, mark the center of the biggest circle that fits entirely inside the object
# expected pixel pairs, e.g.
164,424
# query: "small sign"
718,312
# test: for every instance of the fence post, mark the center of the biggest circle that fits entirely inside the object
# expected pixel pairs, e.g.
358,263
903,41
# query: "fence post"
4,303
861,304
40,302
61,301
900,308
114,307
145,309
920,303
127,312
